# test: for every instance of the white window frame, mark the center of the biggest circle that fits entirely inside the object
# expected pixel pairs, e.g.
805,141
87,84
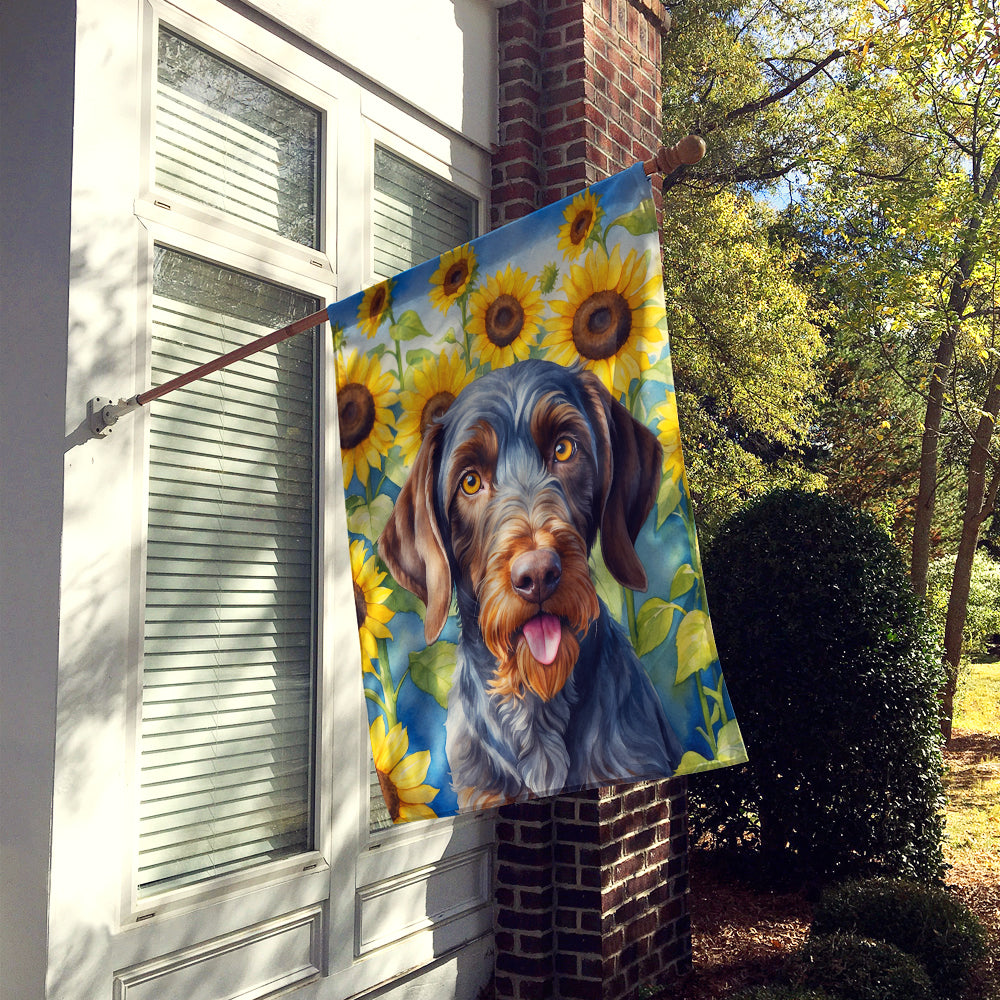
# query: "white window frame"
351,876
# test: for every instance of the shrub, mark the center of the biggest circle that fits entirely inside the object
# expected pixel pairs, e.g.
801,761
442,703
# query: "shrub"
834,673
856,968
782,993
982,618
925,922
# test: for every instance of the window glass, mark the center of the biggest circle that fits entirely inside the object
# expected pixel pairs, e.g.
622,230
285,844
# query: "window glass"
416,216
228,140
228,680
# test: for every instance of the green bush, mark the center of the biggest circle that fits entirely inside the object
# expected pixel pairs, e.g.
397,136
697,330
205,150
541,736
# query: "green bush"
925,922
982,619
856,968
782,993
833,673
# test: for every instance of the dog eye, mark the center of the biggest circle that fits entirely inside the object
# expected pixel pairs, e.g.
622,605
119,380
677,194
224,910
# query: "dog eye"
472,483
564,450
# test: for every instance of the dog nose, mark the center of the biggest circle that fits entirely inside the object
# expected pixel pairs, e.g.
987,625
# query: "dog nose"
536,574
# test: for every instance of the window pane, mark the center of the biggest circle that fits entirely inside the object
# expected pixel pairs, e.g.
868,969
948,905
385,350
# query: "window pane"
228,665
228,140
417,215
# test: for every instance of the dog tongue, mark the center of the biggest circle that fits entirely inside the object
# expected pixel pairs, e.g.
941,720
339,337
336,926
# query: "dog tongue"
543,633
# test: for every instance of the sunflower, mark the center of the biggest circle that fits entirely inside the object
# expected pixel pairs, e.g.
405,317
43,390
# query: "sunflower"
669,433
364,395
455,270
369,603
581,216
374,307
401,776
435,386
506,313
609,317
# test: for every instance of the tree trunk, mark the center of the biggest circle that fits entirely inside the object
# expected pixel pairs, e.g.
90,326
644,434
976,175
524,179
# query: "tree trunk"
920,553
979,500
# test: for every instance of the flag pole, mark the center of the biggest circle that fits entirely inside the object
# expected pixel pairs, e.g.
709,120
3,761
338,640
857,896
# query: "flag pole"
103,413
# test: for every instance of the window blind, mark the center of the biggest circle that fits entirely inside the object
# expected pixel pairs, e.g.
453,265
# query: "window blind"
228,653
228,140
415,216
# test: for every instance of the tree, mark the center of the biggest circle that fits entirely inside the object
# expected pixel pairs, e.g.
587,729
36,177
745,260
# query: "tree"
913,181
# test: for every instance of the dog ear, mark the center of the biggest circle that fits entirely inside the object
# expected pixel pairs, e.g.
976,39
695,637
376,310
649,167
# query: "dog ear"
411,544
632,466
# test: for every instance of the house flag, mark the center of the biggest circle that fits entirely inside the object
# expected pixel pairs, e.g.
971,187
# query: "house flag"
530,602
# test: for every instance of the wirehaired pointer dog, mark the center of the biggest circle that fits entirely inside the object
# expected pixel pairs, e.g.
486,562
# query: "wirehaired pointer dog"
505,499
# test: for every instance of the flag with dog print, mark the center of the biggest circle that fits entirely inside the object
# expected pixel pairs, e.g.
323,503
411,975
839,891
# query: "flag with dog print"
530,603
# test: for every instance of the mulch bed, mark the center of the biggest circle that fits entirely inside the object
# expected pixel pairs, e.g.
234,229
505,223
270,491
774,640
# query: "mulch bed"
742,935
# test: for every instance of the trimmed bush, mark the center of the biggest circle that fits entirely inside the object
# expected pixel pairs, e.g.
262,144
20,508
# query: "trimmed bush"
782,993
856,968
834,673
925,922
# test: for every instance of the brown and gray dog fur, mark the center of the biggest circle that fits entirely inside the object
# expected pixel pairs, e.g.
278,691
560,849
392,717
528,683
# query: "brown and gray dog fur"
504,502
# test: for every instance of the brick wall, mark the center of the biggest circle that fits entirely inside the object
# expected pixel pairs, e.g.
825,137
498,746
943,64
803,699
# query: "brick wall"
591,889
579,96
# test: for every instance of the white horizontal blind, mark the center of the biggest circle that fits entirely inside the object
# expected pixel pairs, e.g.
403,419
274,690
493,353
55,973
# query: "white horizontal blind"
228,140
416,216
228,659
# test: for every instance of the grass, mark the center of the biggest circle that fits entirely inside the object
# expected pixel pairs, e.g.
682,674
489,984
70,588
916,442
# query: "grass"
973,783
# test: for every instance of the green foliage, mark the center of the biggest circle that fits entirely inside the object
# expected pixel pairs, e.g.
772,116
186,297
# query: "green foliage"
924,921
747,358
833,673
983,611
780,992
857,968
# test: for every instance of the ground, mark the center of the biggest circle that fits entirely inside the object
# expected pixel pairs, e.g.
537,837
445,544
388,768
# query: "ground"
742,935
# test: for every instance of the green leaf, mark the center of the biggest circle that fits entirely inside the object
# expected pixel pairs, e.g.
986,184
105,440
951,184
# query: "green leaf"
547,279
732,750
418,356
608,588
369,519
684,579
692,763
653,624
432,669
667,500
641,220
403,602
695,645
408,327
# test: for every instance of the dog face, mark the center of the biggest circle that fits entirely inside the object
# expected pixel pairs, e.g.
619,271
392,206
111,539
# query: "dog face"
505,499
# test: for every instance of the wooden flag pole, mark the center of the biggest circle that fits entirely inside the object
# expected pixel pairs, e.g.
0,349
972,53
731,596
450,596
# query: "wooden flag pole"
103,413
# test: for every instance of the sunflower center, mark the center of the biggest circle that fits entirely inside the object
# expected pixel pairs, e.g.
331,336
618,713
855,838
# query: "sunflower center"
377,303
390,794
504,320
356,410
455,278
581,226
435,408
601,325
360,604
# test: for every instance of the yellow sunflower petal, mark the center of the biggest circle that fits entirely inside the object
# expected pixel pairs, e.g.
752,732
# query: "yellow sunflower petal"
391,749
409,812
410,771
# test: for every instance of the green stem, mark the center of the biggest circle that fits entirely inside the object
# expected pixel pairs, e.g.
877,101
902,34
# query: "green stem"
709,731
633,626
385,679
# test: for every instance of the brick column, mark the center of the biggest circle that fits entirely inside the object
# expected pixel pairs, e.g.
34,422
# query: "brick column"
591,889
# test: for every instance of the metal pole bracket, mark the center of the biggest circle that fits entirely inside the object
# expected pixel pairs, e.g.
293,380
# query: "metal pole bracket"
103,413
